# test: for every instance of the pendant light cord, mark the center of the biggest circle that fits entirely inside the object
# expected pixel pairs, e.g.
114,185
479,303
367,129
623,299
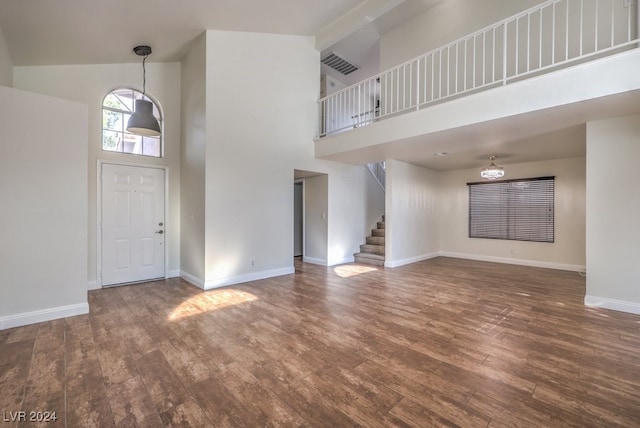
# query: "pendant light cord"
144,75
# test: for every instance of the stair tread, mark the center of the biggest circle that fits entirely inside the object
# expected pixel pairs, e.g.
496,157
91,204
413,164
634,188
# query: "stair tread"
373,249
369,259
375,240
369,256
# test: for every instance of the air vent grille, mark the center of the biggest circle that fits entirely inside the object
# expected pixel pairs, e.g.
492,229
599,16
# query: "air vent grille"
340,64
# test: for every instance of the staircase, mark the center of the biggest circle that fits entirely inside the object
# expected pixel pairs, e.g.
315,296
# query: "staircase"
372,253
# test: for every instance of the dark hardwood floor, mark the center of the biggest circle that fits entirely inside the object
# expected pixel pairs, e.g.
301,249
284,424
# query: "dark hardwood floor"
443,342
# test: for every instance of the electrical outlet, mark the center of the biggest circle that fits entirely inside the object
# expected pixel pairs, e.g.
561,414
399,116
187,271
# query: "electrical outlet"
512,251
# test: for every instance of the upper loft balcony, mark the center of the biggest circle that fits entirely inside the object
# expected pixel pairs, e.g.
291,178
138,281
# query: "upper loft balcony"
553,67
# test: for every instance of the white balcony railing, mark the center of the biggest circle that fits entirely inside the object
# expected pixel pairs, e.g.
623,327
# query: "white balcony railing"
552,35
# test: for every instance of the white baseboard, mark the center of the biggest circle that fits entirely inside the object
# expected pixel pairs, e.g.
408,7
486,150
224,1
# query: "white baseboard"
510,261
254,276
223,282
325,262
26,318
173,273
314,261
616,305
402,262
343,261
198,282
93,285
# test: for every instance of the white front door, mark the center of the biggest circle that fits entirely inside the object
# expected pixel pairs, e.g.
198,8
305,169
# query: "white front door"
133,224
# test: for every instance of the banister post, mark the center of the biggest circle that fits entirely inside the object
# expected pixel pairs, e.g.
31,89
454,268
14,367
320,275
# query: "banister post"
504,54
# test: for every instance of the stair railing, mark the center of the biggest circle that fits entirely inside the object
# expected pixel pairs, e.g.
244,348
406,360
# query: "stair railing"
379,172
549,36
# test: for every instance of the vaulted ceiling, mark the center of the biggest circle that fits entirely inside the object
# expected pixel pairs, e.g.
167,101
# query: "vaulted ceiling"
51,32
57,32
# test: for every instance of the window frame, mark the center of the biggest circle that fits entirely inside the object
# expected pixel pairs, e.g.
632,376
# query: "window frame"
124,115
511,215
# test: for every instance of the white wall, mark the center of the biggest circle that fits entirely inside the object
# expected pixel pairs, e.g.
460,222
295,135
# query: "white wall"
43,170
89,84
192,167
331,85
568,250
253,118
375,198
369,66
412,199
613,203
349,219
6,65
452,19
261,118
443,23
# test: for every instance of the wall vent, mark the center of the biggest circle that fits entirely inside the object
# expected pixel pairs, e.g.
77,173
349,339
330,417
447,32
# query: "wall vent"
334,61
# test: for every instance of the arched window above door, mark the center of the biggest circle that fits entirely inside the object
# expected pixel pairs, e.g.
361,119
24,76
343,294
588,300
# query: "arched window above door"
117,107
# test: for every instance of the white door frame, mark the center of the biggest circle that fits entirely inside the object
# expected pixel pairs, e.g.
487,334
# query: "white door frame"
99,212
304,230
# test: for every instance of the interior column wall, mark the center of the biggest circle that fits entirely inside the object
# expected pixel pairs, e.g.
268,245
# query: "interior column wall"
43,183
613,203
411,213
192,162
262,117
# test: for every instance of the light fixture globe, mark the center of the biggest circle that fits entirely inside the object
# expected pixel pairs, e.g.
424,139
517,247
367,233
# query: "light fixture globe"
142,121
493,171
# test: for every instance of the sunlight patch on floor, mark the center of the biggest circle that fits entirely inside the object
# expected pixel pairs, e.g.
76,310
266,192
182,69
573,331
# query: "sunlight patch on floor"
210,301
345,271
600,314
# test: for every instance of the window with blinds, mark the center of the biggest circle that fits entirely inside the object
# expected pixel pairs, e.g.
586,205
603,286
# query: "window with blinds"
519,210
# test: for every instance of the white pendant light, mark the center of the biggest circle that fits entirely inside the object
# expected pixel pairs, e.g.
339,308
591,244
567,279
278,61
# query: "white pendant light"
493,171
142,121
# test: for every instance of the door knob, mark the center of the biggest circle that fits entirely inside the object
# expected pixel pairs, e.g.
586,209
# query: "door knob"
160,231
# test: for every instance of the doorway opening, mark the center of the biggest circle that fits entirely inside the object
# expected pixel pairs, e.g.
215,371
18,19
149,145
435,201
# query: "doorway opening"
298,218
310,216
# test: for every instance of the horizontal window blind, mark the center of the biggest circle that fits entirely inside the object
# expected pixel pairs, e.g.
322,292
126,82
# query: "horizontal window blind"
520,210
